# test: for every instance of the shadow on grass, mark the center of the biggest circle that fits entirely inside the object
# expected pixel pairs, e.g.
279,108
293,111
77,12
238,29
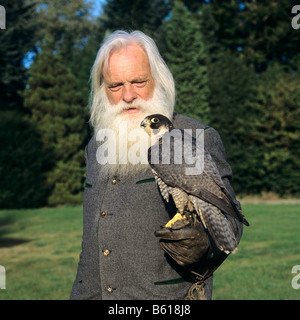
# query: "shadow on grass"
11,242
8,242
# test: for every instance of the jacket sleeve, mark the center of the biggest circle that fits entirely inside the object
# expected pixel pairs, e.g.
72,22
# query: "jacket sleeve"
213,143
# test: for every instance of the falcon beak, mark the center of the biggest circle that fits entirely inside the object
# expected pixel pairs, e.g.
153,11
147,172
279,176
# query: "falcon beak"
145,123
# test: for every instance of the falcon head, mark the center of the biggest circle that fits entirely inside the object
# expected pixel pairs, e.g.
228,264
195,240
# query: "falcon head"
156,123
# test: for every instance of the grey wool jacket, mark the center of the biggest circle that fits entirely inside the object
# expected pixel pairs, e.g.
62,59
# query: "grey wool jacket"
121,258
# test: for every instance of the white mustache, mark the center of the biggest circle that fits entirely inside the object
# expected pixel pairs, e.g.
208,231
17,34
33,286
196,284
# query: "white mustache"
136,104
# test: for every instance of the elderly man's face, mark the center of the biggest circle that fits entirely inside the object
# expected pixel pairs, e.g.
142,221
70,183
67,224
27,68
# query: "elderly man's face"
128,77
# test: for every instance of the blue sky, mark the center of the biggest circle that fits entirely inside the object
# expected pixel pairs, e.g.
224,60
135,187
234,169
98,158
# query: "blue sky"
98,6
28,59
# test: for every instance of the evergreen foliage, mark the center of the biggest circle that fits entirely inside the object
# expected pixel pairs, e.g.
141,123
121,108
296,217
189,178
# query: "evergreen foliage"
83,60
16,40
233,87
64,25
144,15
186,57
258,31
277,132
59,115
23,161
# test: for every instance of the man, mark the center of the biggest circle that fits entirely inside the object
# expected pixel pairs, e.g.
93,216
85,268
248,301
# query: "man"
121,258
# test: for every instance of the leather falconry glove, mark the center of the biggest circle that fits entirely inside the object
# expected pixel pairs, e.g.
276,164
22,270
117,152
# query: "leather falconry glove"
190,245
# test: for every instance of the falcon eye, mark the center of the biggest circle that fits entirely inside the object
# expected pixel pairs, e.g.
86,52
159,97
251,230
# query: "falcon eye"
154,120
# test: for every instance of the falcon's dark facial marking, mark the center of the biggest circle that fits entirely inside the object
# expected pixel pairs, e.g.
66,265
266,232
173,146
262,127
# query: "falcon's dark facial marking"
157,122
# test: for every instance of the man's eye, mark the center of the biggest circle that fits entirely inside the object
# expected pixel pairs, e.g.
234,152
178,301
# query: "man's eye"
114,87
139,84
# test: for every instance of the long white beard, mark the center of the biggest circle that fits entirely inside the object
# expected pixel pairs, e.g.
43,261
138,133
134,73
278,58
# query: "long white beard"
123,144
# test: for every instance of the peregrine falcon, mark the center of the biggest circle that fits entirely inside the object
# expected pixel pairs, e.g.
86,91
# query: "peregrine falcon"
203,193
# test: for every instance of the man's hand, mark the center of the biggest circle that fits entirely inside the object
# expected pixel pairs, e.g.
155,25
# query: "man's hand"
187,242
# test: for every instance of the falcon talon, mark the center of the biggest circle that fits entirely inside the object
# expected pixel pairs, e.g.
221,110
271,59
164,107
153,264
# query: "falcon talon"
176,217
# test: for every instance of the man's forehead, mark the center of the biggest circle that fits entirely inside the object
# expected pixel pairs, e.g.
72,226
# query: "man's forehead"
131,58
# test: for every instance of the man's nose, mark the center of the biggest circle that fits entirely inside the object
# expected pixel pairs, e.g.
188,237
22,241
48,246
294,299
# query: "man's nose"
128,93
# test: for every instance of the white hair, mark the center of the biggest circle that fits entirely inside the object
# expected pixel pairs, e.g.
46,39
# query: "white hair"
162,76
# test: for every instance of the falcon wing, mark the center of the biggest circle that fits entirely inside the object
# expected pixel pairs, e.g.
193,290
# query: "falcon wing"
207,185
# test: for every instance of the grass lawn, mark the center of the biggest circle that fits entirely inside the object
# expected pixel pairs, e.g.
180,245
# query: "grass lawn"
270,247
40,250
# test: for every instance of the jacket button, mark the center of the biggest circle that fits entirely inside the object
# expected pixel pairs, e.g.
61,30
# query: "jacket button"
109,289
103,214
114,180
106,252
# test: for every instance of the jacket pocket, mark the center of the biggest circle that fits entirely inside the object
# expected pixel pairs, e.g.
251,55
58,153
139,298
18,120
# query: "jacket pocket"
88,185
146,180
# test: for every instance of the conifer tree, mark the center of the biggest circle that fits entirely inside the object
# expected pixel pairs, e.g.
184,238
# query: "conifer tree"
186,57
83,60
23,161
257,31
233,89
58,112
144,15
64,25
277,132
208,29
15,41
